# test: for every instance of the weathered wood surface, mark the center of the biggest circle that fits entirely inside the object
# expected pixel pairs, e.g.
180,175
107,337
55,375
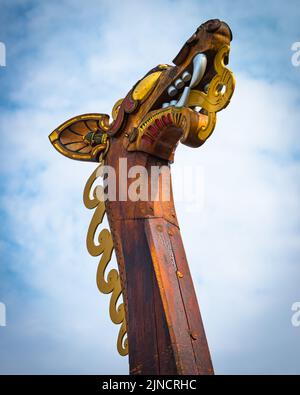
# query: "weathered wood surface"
165,330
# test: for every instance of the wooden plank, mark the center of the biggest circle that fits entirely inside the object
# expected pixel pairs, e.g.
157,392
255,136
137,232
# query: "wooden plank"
148,337
163,317
199,342
165,268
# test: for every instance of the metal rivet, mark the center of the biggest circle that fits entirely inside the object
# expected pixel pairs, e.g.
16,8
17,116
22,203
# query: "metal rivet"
179,274
194,335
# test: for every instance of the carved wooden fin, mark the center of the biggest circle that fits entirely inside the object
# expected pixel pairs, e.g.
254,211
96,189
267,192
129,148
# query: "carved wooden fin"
74,138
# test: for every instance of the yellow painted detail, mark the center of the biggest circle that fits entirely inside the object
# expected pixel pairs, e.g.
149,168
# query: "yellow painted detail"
215,99
116,108
145,87
110,283
163,66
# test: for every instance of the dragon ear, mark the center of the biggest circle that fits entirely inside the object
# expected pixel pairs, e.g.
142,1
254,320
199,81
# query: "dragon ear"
70,138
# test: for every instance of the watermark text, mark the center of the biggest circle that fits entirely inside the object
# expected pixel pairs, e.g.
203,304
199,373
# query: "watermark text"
152,184
296,55
2,54
296,316
2,314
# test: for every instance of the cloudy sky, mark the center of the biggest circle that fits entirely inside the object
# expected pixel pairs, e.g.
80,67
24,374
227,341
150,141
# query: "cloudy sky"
71,57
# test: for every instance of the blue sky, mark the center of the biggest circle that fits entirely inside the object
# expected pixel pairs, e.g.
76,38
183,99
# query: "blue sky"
65,58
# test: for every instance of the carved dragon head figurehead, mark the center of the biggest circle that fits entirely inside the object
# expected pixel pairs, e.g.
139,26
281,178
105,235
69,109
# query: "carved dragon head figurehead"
170,104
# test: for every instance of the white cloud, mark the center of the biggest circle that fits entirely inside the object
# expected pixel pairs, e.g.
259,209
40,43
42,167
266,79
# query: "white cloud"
242,247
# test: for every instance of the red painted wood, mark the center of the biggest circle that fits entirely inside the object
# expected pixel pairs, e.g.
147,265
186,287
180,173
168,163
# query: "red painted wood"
165,331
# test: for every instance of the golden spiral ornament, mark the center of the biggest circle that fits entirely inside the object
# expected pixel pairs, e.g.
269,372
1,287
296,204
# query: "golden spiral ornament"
93,199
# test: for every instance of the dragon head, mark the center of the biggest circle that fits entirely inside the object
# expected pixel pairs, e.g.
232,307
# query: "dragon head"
169,104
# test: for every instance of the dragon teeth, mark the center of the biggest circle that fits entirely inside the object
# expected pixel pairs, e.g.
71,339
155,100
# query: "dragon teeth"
184,97
186,76
199,67
172,91
200,63
179,83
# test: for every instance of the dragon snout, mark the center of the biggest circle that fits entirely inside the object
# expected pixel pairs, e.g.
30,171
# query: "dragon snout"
217,26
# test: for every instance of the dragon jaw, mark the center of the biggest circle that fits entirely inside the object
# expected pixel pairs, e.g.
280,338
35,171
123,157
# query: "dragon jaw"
179,103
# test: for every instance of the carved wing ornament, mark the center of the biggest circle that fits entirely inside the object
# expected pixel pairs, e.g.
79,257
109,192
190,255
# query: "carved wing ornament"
81,137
